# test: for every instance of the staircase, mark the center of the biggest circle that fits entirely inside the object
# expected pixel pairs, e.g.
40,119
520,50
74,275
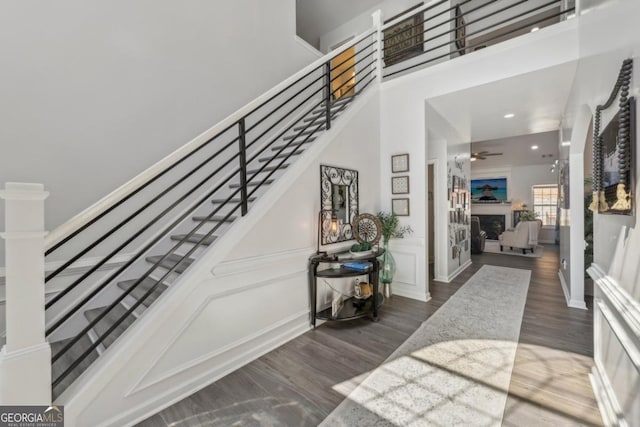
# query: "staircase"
107,310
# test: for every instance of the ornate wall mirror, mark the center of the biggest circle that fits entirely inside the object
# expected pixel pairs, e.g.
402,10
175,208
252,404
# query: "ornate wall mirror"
614,149
339,203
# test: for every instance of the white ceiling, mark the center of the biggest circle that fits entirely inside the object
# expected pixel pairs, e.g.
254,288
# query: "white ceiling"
537,99
516,151
317,17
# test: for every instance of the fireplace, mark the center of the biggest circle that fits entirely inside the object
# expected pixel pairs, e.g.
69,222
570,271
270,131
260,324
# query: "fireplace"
493,225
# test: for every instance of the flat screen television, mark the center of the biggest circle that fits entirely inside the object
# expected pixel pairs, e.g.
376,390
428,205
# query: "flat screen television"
489,190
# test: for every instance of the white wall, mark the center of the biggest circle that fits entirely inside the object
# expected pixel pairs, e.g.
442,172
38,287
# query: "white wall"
607,35
95,92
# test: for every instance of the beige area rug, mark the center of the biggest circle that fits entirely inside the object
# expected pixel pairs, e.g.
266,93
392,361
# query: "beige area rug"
455,369
493,246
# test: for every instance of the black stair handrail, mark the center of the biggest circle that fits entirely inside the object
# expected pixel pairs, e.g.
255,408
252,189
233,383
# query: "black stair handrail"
397,58
319,88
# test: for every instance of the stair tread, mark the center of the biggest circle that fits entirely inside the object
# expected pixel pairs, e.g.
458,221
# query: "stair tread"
282,156
252,183
67,359
170,261
308,141
142,288
215,218
311,130
267,169
336,108
220,201
110,319
312,126
195,238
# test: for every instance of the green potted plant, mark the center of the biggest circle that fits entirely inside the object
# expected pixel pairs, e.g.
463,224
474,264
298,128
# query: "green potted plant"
528,216
390,228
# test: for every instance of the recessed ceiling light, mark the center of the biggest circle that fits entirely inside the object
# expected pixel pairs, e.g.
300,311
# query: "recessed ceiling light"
509,116
534,29
534,147
566,143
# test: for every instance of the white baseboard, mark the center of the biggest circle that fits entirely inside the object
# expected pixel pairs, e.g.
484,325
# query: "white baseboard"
567,295
458,271
409,292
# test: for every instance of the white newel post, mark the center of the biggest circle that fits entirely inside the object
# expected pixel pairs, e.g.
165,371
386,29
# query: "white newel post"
25,359
377,25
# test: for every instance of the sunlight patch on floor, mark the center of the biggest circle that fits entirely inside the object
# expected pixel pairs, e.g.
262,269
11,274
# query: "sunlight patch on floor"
464,381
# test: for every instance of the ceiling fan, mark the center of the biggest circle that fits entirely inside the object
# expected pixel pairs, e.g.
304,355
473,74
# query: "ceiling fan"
482,155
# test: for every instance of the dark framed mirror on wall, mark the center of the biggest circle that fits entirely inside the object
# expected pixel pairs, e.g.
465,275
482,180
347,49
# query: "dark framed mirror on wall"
614,150
339,203
614,171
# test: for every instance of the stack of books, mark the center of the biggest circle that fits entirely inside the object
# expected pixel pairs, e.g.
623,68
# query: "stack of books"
358,265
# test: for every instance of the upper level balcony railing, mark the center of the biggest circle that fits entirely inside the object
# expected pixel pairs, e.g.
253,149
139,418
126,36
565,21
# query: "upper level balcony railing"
443,30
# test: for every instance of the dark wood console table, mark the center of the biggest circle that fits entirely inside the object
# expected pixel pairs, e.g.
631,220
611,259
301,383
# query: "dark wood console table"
352,308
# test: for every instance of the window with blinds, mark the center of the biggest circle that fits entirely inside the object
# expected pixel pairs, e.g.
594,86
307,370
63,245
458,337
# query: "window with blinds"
545,203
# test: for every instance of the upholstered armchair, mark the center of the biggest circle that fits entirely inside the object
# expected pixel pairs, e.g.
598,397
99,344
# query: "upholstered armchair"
478,237
524,236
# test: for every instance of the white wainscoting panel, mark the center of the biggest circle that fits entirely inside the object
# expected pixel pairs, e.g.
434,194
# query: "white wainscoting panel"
411,274
251,307
616,376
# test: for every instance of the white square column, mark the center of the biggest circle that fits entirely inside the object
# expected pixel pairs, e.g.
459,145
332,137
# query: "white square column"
25,359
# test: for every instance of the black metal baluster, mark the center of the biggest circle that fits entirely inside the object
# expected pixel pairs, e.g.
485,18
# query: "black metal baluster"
243,167
328,94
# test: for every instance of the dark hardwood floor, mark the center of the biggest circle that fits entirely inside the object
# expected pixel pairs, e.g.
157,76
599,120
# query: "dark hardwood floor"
301,382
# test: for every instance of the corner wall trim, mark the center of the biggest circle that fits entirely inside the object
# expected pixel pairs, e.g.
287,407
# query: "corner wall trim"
458,271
